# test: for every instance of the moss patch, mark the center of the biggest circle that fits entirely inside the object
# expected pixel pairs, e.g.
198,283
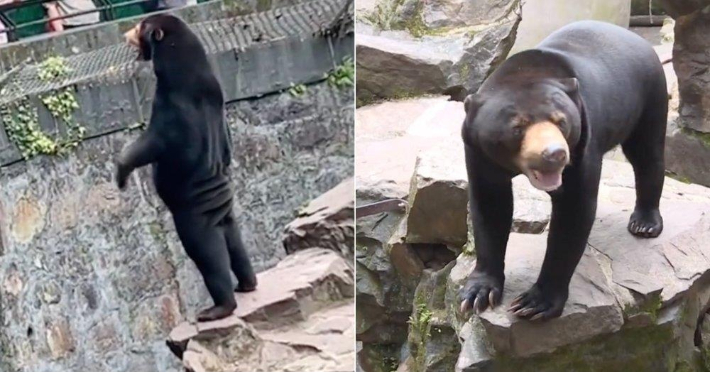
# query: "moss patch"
651,307
678,177
419,331
703,137
380,357
383,14
634,349
415,24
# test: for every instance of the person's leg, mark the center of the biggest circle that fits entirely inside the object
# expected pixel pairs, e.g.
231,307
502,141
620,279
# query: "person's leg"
53,12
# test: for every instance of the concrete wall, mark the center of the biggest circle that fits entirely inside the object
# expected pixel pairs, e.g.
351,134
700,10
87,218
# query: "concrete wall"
542,17
91,278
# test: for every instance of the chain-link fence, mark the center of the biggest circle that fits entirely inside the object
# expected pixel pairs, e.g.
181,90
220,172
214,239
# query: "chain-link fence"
119,61
252,55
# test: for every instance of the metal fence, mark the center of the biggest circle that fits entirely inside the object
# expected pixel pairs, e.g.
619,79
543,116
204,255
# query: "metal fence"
119,61
105,8
252,55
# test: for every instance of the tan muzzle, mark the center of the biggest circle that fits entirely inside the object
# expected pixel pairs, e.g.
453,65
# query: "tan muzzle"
132,36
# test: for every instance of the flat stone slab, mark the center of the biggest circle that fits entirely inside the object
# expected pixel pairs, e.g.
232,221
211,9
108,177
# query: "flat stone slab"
621,282
297,286
330,331
322,342
390,137
591,309
300,319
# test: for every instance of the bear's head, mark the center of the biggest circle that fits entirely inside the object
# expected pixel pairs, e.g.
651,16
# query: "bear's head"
527,127
163,38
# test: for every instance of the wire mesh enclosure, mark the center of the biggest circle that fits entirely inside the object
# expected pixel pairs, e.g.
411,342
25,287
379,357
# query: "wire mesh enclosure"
252,55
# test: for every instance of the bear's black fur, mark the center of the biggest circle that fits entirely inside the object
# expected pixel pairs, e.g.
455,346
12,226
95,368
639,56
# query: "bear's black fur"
551,113
188,143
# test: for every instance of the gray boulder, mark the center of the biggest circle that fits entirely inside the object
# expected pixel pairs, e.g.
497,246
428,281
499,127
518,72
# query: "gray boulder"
439,195
644,294
326,222
690,60
433,16
392,65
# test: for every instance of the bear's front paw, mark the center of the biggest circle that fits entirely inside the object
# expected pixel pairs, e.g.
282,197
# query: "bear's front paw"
538,303
121,175
646,223
481,290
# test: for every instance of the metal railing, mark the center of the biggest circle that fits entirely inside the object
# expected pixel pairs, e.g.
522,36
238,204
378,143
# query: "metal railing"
104,7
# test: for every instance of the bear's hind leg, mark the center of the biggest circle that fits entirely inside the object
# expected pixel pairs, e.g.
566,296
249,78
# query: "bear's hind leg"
644,150
206,246
238,257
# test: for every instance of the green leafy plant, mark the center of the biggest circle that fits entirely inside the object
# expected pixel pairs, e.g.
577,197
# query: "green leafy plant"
53,68
419,321
61,104
343,75
22,127
297,90
22,123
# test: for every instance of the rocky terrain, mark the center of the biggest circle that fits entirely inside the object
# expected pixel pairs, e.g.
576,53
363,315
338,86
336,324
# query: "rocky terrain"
635,304
326,222
301,317
688,143
416,48
299,320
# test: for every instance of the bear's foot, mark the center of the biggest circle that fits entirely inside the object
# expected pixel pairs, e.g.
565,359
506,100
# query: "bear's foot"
646,223
480,291
539,304
216,313
245,287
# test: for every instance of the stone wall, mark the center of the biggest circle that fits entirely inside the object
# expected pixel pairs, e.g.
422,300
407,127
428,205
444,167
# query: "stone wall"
93,279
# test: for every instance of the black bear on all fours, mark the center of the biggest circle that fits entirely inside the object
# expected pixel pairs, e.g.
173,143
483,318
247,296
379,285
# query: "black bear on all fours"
188,143
551,113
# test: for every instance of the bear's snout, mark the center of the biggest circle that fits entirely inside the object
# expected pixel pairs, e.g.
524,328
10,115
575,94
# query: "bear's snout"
544,153
555,155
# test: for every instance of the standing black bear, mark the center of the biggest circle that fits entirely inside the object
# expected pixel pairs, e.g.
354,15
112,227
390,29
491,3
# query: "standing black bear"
188,144
551,113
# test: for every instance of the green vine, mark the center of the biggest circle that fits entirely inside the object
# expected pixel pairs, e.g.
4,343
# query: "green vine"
21,119
23,129
61,104
343,75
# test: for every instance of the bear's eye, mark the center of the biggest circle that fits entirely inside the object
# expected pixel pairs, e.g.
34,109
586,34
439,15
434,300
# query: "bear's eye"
517,131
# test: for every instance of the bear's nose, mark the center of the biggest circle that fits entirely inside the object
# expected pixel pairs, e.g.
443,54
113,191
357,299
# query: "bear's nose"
555,154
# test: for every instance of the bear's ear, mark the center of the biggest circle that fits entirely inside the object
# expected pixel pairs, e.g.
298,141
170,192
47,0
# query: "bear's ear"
158,34
569,85
472,103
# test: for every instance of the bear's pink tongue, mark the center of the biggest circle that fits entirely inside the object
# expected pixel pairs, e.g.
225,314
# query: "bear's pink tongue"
546,181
